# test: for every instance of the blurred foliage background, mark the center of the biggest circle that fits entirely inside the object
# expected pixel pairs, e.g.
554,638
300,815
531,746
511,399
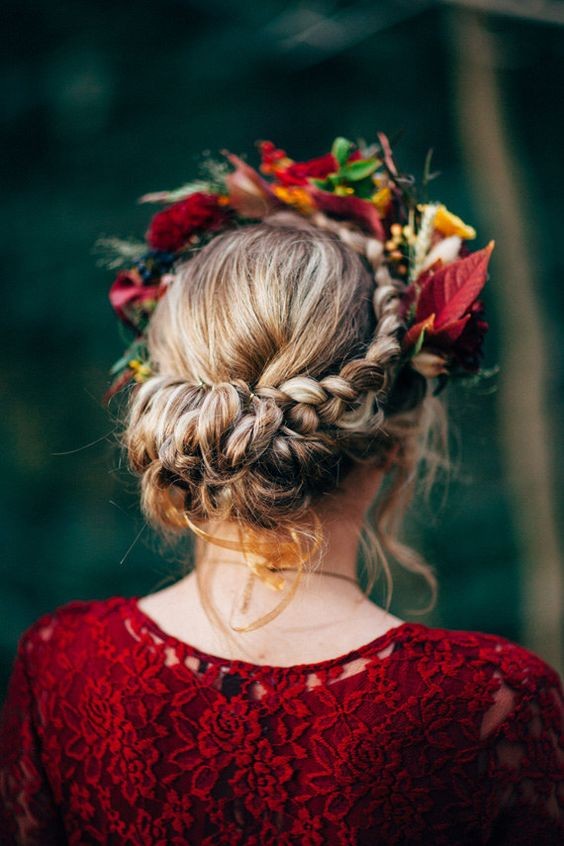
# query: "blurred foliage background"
105,101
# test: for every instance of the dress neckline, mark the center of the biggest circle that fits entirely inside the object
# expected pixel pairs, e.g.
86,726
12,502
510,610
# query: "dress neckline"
377,643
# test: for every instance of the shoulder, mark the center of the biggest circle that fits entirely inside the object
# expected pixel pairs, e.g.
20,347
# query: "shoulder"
492,713
451,648
67,630
486,681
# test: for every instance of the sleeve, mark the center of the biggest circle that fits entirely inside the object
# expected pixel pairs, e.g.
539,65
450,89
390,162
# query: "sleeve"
28,813
526,761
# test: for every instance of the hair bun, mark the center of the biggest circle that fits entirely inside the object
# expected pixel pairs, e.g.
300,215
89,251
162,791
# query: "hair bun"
207,440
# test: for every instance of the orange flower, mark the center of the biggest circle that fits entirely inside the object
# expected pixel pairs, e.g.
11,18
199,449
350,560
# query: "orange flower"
448,223
382,199
295,197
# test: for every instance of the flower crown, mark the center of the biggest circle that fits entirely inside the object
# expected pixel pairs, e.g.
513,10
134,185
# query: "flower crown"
421,243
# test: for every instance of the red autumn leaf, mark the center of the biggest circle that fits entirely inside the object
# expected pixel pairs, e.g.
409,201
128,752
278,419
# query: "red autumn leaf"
249,193
349,208
450,291
448,310
412,335
450,332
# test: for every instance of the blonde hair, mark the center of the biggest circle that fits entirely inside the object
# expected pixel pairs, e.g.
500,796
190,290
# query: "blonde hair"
274,355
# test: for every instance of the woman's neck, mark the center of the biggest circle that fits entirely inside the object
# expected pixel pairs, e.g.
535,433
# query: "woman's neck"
327,615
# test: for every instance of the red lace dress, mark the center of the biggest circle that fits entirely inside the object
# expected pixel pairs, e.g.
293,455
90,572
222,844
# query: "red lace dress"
114,732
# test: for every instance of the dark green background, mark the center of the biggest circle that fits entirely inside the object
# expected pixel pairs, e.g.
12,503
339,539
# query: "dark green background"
105,101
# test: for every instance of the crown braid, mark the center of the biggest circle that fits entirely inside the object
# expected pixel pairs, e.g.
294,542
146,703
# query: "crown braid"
385,348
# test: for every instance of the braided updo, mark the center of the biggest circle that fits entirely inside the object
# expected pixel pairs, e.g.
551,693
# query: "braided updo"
274,356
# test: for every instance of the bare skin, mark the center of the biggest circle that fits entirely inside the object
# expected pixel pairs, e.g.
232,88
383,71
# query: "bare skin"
327,617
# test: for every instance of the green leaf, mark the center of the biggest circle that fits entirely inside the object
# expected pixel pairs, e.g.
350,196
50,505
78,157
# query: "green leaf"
419,344
188,189
137,349
117,253
364,189
324,184
119,365
341,149
358,170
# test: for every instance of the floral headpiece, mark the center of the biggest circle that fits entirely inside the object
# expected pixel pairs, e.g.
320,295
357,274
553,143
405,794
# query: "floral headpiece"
424,245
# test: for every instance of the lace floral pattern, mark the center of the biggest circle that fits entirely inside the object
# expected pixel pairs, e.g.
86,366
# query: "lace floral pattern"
114,732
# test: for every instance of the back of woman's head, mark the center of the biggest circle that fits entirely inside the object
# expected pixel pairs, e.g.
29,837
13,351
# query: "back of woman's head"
274,357
310,307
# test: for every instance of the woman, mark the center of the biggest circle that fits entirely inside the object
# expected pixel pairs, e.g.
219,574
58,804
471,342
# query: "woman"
292,333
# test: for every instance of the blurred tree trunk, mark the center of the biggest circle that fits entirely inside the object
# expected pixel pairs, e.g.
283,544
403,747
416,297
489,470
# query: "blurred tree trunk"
505,205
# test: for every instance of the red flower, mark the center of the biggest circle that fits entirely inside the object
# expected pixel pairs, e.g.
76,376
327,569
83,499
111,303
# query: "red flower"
299,173
272,157
469,345
171,228
361,211
131,299
448,310
288,172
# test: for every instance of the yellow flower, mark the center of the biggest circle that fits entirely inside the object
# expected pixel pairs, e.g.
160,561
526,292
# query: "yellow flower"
381,199
296,197
343,190
449,224
140,371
